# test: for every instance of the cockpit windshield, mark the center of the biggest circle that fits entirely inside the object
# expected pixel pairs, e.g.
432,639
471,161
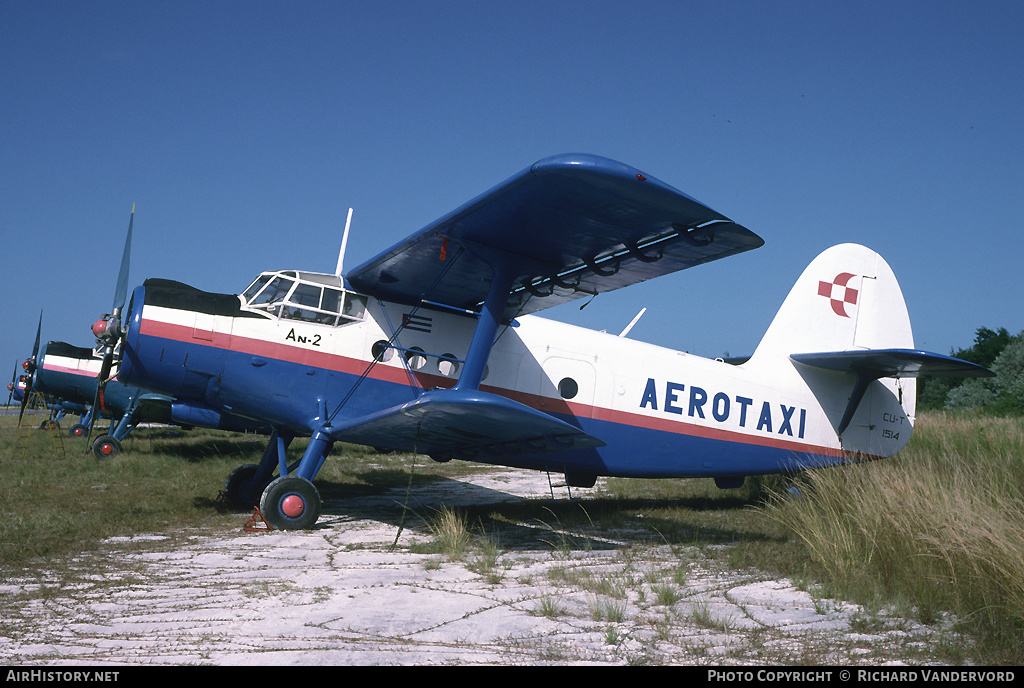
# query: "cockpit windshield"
310,297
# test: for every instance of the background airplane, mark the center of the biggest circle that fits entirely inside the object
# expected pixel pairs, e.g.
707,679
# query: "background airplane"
432,346
69,374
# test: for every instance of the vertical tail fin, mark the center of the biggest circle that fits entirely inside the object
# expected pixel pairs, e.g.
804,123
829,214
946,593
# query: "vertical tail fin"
846,303
847,299
844,333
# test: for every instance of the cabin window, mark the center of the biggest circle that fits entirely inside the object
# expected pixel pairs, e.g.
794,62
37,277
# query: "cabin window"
381,351
307,295
568,388
447,365
416,358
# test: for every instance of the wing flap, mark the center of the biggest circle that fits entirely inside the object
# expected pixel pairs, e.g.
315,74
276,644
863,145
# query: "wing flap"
464,424
570,226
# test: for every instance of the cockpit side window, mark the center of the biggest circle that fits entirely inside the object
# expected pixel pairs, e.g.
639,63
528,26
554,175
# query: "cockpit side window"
332,300
355,306
298,299
306,295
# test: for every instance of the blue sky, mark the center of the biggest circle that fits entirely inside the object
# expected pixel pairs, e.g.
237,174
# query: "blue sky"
243,132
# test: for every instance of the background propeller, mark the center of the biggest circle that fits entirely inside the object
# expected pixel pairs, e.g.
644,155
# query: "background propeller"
107,329
13,385
30,368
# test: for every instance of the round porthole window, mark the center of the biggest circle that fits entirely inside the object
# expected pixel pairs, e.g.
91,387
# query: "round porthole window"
381,351
447,365
568,388
415,358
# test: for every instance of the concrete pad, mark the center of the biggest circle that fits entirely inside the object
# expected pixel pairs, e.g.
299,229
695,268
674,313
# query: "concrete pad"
344,594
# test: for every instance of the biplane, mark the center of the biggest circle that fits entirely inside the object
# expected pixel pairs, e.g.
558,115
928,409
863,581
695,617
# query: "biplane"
68,376
434,346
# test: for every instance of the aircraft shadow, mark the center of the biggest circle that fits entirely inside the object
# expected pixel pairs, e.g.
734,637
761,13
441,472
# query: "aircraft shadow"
531,523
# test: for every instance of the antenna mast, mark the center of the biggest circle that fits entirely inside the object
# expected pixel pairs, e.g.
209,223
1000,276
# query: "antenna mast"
344,242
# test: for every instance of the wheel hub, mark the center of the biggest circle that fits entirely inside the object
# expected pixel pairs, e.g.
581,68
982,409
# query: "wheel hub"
293,506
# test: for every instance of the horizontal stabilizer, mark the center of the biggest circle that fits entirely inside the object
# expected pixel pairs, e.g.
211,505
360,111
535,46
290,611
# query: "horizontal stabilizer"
464,424
871,364
903,363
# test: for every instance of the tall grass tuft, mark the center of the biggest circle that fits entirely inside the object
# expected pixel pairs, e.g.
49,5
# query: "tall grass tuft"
940,526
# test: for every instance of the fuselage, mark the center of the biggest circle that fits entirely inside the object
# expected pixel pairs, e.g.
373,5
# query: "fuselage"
661,413
69,373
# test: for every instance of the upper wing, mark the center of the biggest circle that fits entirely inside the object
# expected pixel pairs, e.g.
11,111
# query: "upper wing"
570,226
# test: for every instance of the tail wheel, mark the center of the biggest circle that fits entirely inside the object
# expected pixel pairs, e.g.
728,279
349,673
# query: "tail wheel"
241,492
105,447
290,503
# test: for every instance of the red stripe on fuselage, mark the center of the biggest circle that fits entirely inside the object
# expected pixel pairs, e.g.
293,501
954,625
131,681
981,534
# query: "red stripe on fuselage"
385,373
70,371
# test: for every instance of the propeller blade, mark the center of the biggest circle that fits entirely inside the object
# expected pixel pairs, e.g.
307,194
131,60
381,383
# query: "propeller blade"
108,328
24,399
39,330
14,384
121,293
101,382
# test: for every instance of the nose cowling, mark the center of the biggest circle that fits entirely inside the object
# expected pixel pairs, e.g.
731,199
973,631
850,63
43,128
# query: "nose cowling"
132,337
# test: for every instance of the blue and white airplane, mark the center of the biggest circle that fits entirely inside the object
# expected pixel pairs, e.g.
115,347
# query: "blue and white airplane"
69,376
434,347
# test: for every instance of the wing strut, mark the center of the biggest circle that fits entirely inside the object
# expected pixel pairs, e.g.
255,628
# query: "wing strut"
486,326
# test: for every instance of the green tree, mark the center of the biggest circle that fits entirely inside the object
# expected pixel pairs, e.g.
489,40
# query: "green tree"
934,393
1009,370
988,344
1002,394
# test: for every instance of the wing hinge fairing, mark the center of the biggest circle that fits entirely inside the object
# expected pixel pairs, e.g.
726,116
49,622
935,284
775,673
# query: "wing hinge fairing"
682,247
869,365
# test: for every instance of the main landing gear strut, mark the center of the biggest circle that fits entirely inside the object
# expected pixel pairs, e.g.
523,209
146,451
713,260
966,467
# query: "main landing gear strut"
289,501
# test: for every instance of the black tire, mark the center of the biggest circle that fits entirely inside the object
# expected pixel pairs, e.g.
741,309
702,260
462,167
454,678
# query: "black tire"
106,447
290,503
78,430
240,491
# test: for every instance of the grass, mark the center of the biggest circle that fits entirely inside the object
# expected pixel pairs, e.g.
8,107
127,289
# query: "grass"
165,480
939,528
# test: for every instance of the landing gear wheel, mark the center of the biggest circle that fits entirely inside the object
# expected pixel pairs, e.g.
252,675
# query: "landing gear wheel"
240,490
290,503
78,430
106,447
